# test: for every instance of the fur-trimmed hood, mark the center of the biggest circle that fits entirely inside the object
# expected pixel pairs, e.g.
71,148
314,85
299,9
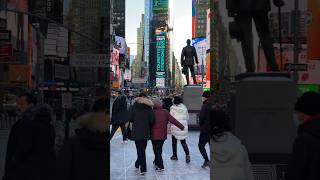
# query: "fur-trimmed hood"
143,100
95,122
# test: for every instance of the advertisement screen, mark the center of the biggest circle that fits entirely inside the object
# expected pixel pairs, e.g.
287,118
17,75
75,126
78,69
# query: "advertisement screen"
311,76
160,5
161,53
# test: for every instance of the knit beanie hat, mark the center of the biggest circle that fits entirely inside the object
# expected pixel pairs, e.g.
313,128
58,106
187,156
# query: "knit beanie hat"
308,103
206,94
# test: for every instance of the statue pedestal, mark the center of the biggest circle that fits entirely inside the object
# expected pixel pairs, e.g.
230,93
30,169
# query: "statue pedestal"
192,98
262,109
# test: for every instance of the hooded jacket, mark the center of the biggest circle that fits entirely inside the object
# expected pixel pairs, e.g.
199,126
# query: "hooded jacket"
230,159
142,117
305,158
30,151
180,113
85,156
162,117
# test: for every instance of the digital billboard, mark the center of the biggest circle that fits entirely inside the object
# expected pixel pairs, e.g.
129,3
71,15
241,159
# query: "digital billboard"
160,5
161,53
193,18
160,60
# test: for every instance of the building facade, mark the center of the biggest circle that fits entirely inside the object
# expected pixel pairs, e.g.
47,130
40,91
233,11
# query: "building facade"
119,17
200,8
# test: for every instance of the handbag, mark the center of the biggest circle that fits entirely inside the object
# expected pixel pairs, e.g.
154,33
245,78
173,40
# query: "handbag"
184,70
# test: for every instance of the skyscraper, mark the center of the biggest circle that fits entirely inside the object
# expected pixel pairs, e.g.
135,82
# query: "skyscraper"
85,17
200,20
119,14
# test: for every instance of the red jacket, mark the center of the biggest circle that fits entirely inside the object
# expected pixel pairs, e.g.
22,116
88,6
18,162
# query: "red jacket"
162,118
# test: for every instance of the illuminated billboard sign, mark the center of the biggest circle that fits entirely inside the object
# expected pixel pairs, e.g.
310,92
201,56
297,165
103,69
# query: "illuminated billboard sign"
160,5
161,53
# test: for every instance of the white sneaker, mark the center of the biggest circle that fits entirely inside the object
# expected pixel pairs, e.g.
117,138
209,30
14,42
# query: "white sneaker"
126,141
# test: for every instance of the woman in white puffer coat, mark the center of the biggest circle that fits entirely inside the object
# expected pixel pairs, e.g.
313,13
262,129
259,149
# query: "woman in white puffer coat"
180,112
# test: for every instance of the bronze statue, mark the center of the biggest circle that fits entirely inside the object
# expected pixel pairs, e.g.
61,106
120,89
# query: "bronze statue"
188,56
243,12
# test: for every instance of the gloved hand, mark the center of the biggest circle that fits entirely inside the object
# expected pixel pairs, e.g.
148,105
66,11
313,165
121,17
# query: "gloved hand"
278,3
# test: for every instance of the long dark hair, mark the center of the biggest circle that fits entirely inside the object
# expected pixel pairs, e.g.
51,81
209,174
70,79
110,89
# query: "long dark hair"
219,123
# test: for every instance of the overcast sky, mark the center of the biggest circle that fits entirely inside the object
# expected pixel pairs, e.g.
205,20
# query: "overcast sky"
182,23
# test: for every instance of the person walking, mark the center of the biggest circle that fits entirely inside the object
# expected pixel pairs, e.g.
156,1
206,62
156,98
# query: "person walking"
167,103
305,157
119,116
30,151
188,56
85,155
142,118
180,112
230,159
204,137
159,131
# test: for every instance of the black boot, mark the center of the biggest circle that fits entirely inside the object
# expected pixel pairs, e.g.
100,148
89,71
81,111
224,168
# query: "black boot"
187,158
175,158
206,164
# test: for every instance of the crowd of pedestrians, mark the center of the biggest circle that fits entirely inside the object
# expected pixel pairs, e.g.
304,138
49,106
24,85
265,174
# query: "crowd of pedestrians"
31,153
148,119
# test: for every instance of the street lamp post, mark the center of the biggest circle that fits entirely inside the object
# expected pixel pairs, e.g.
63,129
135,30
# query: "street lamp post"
202,65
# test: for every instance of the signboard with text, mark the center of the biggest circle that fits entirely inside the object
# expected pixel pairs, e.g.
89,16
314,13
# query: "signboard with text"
160,5
161,53
89,60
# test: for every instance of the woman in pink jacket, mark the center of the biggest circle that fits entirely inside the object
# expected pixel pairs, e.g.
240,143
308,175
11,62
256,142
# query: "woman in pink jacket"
159,131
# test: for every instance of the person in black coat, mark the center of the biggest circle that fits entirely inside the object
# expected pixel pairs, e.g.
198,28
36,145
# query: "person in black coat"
85,155
119,116
167,103
305,158
30,151
142,117
204,137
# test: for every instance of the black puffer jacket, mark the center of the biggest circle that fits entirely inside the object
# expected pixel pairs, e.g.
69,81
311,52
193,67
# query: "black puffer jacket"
85,156
204,117
142,117
305,159
30,150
